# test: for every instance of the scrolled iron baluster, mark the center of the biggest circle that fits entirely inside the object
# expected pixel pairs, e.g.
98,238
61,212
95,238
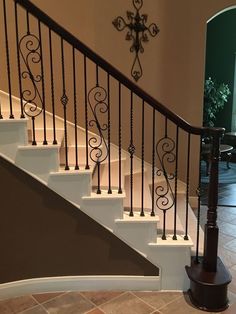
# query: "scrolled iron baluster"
97,98
165,148
33,56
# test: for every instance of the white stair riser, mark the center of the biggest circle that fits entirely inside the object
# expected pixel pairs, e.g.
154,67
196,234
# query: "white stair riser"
39,162
71,186
172,261
104,211
12,134
137,234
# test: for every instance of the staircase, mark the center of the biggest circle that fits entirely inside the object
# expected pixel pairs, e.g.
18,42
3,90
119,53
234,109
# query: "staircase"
77,125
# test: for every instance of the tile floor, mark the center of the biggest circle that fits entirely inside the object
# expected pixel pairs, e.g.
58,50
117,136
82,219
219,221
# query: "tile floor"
128,302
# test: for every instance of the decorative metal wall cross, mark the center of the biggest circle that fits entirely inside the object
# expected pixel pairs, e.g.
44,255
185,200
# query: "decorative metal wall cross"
137,33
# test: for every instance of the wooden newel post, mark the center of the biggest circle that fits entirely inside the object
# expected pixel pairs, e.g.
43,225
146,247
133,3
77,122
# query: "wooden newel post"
209,278
211,229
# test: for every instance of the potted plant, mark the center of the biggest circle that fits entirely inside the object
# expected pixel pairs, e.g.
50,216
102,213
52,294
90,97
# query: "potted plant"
215,97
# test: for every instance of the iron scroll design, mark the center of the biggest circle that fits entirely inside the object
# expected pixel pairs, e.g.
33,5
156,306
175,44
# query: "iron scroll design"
137,33
29,47
97,98
165,148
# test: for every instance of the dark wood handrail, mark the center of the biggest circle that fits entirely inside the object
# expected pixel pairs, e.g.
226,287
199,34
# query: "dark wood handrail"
76,43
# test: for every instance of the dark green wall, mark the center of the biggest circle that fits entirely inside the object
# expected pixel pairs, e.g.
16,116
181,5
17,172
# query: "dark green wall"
220,58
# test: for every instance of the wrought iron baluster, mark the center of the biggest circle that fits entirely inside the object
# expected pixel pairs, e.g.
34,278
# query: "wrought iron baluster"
187,186
98,100
142,165
52,87
1,116
43,87
109,134
131,150
176,184
198,205
11,116
86,111
18,61
64,101
120,143
153,159
164,193
33,130
30,50
75,110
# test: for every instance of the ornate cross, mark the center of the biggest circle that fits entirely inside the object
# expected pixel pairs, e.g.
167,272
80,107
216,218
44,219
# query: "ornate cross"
137,33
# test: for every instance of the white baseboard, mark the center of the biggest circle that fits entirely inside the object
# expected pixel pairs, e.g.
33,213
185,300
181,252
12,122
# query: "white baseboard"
78,283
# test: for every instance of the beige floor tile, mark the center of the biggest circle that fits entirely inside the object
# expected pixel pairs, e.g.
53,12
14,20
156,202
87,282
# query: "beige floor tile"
35,310
126,304
231,245
69,303
44,297
227,256
16,305
181,305
95,311
158,299
101,297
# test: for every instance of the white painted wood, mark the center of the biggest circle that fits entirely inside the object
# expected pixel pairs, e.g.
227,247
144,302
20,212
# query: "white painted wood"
172,260
38,160
72,185
104,208
78,283
137,232
13,132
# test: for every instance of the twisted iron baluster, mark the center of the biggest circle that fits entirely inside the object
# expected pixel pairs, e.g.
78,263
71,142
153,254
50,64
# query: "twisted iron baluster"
120,189
86,111
52,88
131,150
176,183
187,186
11,116
64,101
198,191
43,87
75,111
153,159
142,166
18,61
109,135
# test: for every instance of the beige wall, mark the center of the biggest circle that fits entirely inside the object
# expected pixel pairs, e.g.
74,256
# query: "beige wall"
173,62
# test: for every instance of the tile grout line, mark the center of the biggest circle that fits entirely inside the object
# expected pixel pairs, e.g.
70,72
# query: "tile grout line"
177,298
42,304
31,308
124,292
143,301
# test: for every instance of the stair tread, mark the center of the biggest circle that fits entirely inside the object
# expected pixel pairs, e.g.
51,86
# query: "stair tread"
105,195
137,218
39,146
170,242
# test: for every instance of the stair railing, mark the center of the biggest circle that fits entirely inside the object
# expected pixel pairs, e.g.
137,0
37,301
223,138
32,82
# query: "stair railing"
44,64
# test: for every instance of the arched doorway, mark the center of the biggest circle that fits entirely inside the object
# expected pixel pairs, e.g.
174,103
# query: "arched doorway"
221,67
